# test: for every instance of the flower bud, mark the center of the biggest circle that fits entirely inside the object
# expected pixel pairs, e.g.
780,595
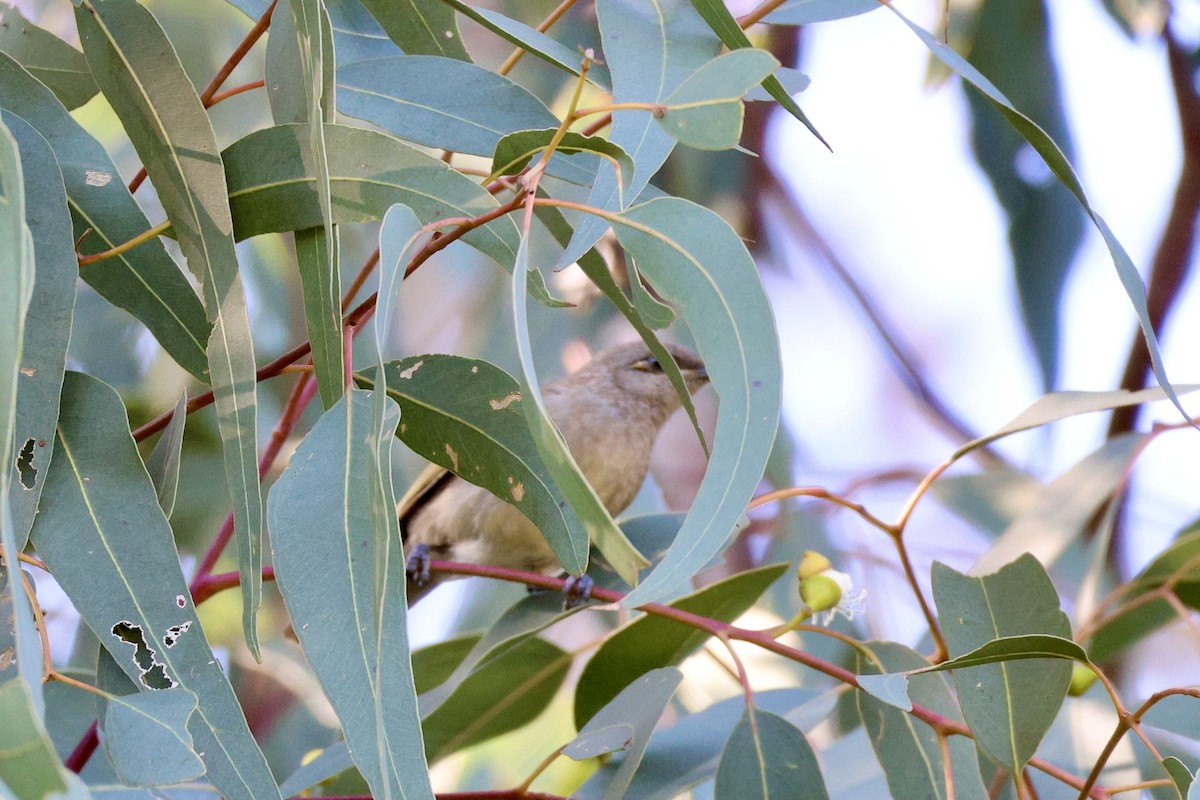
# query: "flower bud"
1082,678
812,563
820,592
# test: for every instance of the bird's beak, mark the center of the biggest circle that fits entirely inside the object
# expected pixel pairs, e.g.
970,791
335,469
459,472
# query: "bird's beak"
698,375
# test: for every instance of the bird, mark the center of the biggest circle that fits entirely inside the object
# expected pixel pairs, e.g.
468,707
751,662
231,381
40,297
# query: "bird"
609,412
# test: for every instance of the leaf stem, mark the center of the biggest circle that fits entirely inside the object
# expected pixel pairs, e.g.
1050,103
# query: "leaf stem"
141,238
542,27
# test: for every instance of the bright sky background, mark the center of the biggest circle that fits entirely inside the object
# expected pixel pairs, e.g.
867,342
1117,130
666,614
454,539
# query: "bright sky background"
903,204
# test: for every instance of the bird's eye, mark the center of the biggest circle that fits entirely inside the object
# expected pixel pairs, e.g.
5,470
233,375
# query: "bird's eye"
648,364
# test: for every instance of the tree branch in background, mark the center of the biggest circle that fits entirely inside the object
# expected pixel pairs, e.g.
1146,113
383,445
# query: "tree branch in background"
1172,260
903,358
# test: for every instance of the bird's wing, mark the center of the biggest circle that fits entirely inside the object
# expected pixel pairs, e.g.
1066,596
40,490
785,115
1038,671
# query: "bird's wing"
421,490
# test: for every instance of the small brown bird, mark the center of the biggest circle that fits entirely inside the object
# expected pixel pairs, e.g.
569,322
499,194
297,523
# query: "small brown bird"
609,412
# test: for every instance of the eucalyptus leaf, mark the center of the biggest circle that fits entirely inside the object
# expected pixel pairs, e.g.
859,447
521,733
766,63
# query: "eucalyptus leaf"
695,261
48,58
47,322
420,27
768,758
144,281
138,72
706,110
1008,705
147,737
651,642
163,463
439,102
29,767
100,501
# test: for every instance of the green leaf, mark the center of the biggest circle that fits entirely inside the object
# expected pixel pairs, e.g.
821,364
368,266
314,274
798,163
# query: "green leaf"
48,58
138,72
341,573
515,151
695,261
29,767
1063,405
1062,510
706,110
806,12
908,749
889,688
598,527
651,49
300,72
687,752
651,642
502,695
420,27
1010,43
272,185
1135,615
99,501
163,463
1131,279
440,102
626,723
719,18
1180,775
47,322
768,758
1008,706
465,415
17,275
145,281
147,738
535,43
332,761
433,665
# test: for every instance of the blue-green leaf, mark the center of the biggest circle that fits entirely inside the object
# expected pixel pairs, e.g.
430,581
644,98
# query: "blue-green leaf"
420,27
139,73
105,539
694,260
147,738
768,758
48,58
706,110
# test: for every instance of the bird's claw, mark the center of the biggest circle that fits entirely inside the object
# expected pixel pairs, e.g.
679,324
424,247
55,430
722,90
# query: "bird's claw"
577,590
416,566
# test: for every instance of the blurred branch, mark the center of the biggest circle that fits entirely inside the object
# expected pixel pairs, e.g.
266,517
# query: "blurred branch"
904,359
1171,264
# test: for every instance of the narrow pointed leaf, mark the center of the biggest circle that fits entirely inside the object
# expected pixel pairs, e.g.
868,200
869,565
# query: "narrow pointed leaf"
1062,510
440,102
706,110
420,27
145,281
694,260
636,710
1130,278
47,323
300,71
651,642
1009,705
768,758
332,761
534,42
718,16
29,767
341,573
17,275
1063,405
147,738
105,539
651,49
163,463
138,72
598,526
908,749
48,58
502,695
806,12
272,185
